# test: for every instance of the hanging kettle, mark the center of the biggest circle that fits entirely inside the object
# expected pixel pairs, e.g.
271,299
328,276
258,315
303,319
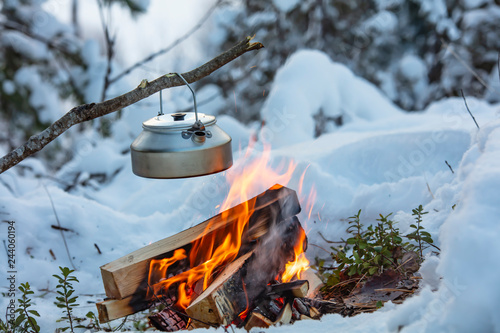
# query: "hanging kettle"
181,145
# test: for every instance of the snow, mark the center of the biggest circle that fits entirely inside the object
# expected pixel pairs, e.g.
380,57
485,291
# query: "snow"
470,4
43,96
285,5
381,160
382,22
412,68
319,84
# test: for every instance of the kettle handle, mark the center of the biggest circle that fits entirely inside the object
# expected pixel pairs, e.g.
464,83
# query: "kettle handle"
194,96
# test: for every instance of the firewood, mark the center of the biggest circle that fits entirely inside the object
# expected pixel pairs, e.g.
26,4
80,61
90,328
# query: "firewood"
167,320
314,313
112,309
295,312
285,317
128,275
297,288
242,282
301,306
257,319
215,305
315,282
304,317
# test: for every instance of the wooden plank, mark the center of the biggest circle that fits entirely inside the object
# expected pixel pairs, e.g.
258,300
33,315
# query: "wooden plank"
128,275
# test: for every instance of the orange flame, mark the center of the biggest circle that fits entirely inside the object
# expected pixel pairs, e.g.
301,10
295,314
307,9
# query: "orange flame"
300,263
216,249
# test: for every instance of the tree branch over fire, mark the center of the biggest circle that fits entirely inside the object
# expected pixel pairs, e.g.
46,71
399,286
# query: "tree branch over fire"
145,89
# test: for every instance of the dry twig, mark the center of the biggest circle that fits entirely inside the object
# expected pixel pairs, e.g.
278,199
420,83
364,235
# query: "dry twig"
467,107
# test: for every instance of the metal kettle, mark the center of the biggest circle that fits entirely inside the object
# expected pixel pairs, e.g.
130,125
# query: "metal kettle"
181,145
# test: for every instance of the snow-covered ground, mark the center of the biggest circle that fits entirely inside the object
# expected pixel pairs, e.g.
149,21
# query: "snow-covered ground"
381,160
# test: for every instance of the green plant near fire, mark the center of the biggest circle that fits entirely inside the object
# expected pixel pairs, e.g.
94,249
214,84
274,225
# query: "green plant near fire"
373,249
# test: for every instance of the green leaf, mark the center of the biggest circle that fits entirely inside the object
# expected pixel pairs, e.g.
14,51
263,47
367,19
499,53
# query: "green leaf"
32,322
19,320
427,239
397,239
413,226
378,248
352,270
379,304
351,241
363,245
372,270
34,312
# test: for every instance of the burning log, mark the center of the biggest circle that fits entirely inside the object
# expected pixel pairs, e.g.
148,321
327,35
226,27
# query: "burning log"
126,276
112,309
242,282
168,320
223,300
126,279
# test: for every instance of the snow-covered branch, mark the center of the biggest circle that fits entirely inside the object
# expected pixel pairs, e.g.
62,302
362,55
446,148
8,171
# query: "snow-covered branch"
91,111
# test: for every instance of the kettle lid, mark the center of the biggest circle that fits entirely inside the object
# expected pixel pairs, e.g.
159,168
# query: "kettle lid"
177,121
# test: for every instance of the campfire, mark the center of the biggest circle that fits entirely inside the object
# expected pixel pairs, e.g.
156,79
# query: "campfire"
245,266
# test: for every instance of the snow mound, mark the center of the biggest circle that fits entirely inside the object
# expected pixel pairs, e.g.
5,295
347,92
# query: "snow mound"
310,83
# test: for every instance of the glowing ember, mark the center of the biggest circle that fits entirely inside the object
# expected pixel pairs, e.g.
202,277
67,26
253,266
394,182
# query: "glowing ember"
216,249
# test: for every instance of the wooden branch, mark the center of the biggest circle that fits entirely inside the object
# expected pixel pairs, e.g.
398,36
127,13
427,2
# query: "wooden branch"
91,111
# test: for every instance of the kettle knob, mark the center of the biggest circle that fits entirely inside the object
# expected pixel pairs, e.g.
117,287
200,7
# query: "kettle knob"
178,116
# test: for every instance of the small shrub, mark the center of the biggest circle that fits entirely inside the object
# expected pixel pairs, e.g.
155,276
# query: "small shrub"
373,249
25,320
66,300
